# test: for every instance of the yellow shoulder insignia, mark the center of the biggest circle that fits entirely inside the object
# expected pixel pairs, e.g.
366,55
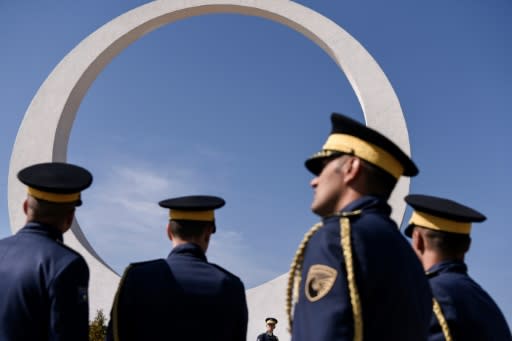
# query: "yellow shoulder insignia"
319,281
351,214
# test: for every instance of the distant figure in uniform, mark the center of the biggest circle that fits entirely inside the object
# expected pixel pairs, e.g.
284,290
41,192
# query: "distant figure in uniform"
269,334
44,283
440,230
182,297
354,275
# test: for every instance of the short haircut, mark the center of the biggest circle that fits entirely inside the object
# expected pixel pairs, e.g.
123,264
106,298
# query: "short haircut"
49,212
189,229
377,181
446,243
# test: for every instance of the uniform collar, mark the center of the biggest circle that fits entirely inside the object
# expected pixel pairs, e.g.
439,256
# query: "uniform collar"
366,203
189,249
456,266
47,230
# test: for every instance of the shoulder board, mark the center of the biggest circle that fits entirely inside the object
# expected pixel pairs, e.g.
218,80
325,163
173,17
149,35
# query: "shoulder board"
69,248
143,264
432,274
224,270
352,213
152,261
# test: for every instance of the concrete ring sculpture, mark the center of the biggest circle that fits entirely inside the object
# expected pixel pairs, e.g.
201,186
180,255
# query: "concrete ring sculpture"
44,133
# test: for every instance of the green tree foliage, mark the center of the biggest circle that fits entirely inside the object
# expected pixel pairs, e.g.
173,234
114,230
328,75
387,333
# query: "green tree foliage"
98,327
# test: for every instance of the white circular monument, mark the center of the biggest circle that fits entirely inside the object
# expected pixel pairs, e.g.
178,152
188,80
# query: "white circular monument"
44,133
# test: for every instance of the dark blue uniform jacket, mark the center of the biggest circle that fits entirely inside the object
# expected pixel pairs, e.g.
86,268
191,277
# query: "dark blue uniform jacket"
470,312
181,298
267,337
395,296
43,287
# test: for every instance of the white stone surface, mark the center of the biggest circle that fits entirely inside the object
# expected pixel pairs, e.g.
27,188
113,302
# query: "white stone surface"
44,133
268,300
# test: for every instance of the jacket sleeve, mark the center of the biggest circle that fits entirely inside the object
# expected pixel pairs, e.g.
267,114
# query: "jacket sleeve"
69,304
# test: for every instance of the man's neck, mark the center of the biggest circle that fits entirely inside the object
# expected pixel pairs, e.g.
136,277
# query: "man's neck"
178,242
59,228
349,197
429,259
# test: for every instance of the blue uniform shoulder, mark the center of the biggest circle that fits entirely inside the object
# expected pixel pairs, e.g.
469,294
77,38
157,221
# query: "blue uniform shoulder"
335,220
45,244
139,273
146,263
144,266
67,248
452,284
372,218
226,272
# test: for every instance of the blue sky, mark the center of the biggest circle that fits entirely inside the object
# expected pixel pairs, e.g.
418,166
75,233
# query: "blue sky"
232,105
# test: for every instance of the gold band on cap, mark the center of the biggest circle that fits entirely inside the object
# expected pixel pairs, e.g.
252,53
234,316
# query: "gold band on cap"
366,151
439,224
54,197
192,215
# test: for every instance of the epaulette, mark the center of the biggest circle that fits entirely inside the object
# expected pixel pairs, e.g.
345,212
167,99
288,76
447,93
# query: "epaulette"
431,274
132,265
351,213
225,271
149,265
69,248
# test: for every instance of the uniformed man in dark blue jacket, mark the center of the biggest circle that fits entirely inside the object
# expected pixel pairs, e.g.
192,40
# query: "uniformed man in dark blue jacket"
183,297
43,283
440,231
354,276
268,335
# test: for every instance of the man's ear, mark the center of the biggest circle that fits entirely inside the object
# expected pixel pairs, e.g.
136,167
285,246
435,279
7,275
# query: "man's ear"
469,244
169,232
25,206
418,242
70,217
208,233
352,168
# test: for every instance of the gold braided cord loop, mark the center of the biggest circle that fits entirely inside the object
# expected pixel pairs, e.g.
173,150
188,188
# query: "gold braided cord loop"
346,247
115,308
442,321
294,276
